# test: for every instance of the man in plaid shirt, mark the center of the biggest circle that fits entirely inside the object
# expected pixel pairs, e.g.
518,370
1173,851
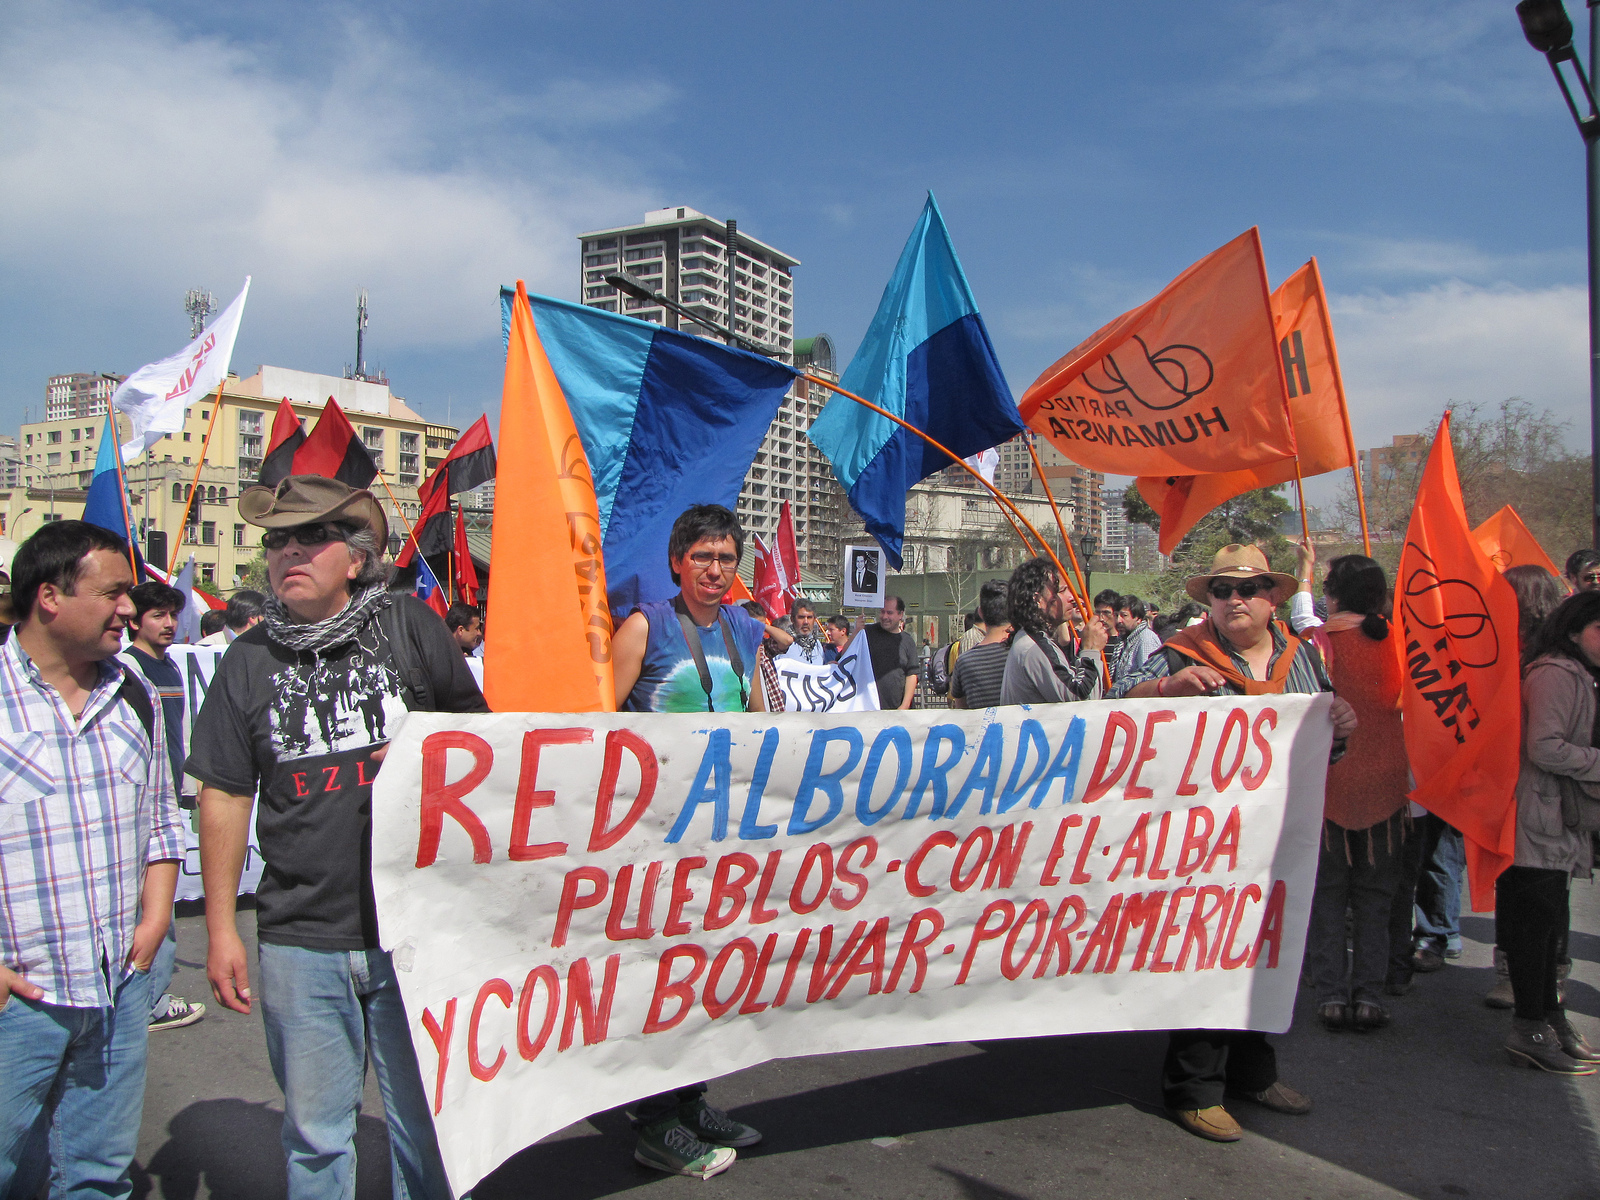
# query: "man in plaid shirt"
90,839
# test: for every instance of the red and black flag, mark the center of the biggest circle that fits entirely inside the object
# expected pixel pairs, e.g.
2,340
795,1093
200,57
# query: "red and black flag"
334,450
288,435
470,462
432,534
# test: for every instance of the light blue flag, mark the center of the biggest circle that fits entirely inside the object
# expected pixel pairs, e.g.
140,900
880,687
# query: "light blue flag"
926,358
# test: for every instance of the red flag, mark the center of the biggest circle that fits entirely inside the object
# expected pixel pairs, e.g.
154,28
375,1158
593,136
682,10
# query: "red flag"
466,569
333,449
1462,683
788,559
1510,543
288,435
768,580
1316,407
431,534
1187,384
471,462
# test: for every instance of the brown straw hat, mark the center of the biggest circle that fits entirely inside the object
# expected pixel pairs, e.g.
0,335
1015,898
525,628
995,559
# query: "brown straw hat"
1236,562
304,499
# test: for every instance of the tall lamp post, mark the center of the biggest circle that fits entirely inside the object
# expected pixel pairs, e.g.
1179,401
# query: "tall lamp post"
1549,31
1087,545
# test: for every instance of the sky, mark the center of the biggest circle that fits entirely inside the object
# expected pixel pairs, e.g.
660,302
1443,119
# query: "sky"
1083,155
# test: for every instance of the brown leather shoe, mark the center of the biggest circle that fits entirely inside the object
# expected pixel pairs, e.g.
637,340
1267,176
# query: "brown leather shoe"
1214,1123
1280,1098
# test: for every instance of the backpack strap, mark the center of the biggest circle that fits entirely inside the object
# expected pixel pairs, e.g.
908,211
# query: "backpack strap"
132,691
691,635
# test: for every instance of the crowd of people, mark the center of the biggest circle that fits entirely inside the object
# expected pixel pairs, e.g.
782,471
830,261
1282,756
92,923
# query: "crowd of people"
296,724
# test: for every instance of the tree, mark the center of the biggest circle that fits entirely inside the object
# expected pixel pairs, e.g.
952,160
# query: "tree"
1253,518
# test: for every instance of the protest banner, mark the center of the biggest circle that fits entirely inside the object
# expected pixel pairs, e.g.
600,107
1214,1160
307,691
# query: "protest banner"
586,909
197,665
846,685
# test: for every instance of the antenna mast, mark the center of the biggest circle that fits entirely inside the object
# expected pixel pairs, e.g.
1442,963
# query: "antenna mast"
199,304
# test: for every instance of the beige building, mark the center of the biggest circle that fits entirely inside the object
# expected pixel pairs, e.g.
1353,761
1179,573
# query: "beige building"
57,462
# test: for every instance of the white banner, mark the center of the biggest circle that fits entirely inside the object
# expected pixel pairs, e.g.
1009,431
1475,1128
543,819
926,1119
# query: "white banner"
586,909
154,396
846,685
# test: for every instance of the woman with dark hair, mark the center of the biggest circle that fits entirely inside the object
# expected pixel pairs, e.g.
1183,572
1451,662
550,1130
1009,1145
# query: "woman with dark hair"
1360,864
1557,807
1539,593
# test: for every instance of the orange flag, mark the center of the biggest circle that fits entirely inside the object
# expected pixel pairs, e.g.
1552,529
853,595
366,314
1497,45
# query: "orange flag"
1316,407
1186,384
738,593
1509,543
1463,682
539,613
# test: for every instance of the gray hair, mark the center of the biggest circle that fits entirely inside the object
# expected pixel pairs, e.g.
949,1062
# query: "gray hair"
361,540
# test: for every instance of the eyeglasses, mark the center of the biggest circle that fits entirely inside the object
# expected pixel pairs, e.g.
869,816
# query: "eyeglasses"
704,558
1250,588
307,535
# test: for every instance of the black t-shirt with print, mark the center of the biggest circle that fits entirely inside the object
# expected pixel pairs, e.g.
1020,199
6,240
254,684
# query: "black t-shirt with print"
304,726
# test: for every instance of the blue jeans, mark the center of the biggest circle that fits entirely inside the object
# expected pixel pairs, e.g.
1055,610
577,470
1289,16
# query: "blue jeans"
326,1012
161,968
72,1094
1439,886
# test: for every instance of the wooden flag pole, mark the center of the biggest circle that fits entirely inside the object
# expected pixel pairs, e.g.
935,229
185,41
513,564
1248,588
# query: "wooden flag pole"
188,503
451,509
1300,494
1006,506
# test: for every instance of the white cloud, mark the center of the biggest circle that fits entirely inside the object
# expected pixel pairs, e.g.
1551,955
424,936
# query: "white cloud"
1406,356
137,161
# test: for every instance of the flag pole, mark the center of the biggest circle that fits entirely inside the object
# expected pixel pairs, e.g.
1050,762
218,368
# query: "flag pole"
1006,507
1300,494
1083,586
188,502
451,505
122,490
1344,410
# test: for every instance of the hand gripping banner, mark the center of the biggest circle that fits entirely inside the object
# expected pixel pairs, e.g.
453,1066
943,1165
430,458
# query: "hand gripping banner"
586,909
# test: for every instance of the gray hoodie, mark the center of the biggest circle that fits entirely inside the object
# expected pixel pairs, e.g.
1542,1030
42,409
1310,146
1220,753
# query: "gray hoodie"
1559,761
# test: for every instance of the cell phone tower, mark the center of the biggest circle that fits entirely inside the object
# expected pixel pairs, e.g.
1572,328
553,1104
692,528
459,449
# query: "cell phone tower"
199,304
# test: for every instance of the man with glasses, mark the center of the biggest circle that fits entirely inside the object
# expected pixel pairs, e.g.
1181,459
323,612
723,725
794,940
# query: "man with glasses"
1583,571
659,669
302,706
1237,650
1040,668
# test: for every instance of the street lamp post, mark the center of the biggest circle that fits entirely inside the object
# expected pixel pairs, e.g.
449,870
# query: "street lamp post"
1088,544
1549,31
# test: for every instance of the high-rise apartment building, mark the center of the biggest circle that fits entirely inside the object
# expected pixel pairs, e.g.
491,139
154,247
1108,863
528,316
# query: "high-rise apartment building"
78,395
1070,482
683,254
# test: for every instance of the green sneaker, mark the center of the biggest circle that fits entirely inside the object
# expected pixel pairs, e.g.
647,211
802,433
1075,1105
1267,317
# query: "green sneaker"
712,1125
672,1147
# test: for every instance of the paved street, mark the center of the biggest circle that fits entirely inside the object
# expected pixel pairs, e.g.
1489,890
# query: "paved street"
1428,1108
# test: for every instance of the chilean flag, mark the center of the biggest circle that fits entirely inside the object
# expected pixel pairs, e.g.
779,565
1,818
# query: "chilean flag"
429,590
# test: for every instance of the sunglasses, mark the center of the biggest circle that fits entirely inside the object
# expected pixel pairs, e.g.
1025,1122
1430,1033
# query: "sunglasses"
1247,590
306,535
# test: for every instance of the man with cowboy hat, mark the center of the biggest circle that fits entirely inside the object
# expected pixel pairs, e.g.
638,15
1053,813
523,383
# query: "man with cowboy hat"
1238,649
301,707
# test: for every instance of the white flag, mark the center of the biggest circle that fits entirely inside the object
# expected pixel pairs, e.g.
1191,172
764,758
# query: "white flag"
194,605
155,395
984,463
846,685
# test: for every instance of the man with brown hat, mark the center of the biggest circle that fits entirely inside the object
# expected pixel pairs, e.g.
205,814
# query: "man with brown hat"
1238,649
302,706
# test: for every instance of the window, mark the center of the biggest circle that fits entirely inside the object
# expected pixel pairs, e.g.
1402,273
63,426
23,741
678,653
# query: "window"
250,446
640,239
54,437
88,435
208,573
599,260
53,459
238,535
177,493
372,439
636,255
649,268
410,459
76,434
73,457
208,533
30,439
596,293
186,435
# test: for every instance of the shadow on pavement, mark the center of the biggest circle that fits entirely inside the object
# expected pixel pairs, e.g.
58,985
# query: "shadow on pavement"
231,1148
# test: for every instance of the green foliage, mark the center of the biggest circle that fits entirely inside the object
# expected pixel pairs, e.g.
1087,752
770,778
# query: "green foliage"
1252,518
253,574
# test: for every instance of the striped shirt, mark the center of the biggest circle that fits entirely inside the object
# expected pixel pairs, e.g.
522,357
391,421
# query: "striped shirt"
978,674
85,805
